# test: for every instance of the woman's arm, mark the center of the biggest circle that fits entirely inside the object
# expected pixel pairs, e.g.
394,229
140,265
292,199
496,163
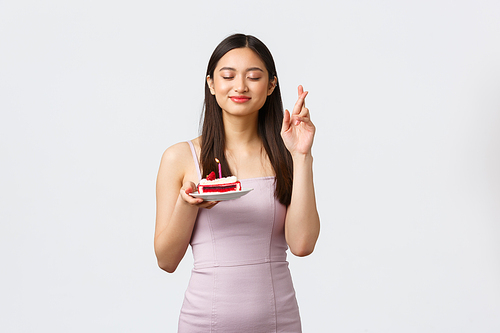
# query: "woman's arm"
176,211
302,219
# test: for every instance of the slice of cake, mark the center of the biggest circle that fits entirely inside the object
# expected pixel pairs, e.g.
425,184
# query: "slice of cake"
219,185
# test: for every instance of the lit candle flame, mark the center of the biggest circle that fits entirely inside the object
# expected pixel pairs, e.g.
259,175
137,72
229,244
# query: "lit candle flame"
216,160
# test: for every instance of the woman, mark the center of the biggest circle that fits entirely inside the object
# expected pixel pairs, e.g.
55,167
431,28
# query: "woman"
240,281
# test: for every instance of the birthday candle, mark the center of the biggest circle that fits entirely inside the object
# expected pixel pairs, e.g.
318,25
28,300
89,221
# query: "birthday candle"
220,170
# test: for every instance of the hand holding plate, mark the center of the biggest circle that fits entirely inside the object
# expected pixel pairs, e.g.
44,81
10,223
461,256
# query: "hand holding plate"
190,187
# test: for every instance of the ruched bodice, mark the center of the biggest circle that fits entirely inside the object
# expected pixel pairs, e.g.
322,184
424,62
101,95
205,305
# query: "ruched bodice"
245,231
240,281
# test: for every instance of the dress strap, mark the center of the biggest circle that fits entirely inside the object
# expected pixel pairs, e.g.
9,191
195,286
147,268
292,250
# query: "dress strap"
195,158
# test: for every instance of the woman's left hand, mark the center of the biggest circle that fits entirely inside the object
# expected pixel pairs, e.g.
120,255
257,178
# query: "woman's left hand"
297,130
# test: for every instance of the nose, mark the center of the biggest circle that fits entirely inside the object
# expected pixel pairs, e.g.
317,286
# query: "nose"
240,84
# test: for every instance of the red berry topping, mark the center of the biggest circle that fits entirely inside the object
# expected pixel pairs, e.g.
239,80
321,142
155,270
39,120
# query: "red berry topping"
211,176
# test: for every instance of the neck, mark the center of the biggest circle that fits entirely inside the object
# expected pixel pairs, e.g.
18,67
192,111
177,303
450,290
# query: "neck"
241,131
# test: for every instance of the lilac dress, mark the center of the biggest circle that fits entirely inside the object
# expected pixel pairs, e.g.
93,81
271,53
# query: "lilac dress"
240,281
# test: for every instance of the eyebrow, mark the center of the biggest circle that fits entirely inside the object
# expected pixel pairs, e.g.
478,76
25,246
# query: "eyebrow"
234,69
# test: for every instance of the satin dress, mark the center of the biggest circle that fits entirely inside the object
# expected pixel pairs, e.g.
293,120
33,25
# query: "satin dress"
240,281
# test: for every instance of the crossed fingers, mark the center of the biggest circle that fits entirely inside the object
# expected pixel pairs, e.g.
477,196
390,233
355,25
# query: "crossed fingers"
300,113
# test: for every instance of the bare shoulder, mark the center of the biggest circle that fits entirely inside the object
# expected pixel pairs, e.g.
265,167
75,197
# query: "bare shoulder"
176,152
177,162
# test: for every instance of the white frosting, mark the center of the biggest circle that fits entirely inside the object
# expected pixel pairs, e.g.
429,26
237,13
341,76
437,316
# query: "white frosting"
231,179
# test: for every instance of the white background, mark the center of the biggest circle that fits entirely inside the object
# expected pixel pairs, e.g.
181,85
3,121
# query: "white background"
406,99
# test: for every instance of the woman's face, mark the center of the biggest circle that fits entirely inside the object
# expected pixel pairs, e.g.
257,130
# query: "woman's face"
241,82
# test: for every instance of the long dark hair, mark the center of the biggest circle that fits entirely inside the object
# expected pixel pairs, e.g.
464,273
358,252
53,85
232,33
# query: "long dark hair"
270,119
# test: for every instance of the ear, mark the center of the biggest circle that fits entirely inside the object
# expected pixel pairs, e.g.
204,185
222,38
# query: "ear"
272,84
210,83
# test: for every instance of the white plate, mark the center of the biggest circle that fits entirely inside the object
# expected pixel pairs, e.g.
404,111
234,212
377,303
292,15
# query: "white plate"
221,196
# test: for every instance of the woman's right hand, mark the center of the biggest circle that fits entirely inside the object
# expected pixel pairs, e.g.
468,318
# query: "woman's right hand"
190,187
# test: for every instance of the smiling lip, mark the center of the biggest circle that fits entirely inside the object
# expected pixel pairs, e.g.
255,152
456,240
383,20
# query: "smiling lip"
240,99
